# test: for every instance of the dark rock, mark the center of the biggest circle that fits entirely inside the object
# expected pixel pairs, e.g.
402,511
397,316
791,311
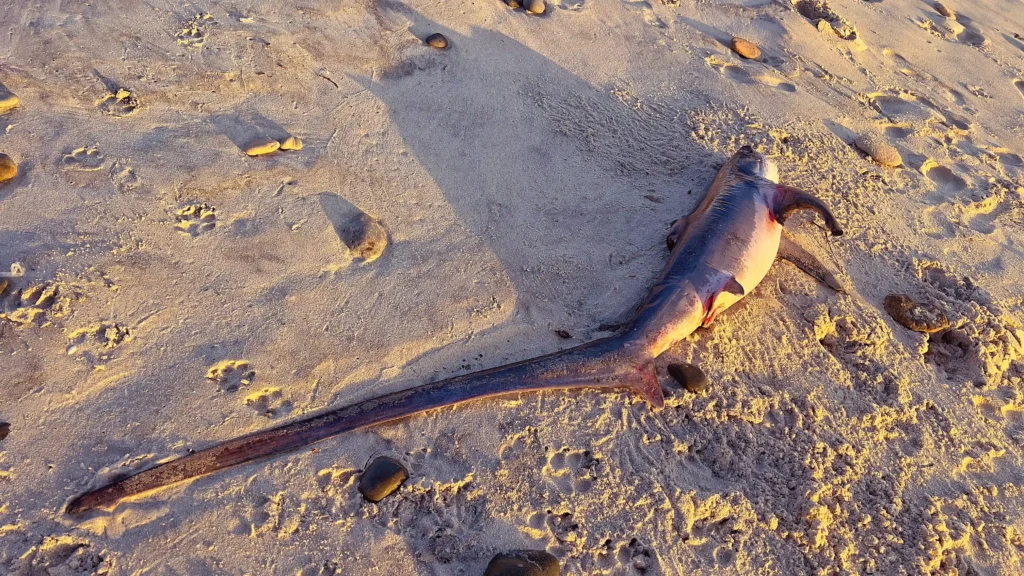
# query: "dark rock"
437,40
5,429
915,315
563,334
523,563
689,377
382,477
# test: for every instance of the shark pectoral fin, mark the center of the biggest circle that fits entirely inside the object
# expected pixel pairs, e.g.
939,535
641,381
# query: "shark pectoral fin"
714,305
646,384
733,286
804,260
789,200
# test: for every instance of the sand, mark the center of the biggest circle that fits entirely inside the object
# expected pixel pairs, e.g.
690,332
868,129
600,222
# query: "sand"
450,211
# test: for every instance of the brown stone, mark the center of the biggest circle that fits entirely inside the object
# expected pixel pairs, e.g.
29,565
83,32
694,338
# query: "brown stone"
915,315
945,10
437,40
8,169
745,48
879,150
291,143
261,147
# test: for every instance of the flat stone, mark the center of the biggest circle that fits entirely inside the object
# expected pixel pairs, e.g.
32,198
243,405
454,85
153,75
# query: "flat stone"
291,143
523,563
437,40
879,150
382,477
914,315
745,48
8,101
690,377
261,147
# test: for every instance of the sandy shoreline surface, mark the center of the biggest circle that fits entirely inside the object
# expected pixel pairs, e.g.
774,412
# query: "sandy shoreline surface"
523,181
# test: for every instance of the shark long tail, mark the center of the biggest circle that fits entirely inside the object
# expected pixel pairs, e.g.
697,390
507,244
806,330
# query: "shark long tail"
605,363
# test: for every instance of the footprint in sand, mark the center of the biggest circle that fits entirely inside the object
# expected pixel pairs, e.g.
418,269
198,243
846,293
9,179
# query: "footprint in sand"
1010,415
97,343
931,81
947,183
821,14
1014,416
195,219
230,375
571,470
739,74
194,32
118,103
898,132
1009,159
648,12
62,554
557,523
901,110
970,34
85,159
936,224
32,305
124,177
269,402
625,558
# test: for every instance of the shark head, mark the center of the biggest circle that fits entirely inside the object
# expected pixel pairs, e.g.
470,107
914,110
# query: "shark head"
756,165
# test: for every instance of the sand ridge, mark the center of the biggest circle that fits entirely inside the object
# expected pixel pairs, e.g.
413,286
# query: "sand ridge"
450,211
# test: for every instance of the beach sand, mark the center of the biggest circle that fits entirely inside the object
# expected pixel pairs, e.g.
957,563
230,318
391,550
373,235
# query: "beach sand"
518,183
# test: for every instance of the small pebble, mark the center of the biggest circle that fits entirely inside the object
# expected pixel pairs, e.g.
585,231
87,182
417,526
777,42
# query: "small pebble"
945,10
8,101
382,477
5,429
523,563
745,48
260,147
291,143
8,169
915,315
690,377
535,6
437,40
879,150
4,282
563,334
513,4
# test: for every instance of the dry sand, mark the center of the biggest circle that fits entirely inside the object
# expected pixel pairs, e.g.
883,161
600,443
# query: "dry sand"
523,180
